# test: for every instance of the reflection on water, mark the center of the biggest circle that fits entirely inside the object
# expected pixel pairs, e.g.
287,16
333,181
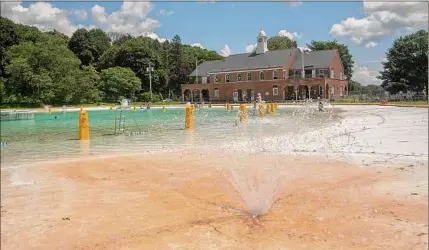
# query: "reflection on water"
47,138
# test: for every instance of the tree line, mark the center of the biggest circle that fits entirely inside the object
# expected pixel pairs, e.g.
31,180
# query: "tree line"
93,66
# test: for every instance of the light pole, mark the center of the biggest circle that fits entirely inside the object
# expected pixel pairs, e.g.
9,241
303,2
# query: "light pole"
150,70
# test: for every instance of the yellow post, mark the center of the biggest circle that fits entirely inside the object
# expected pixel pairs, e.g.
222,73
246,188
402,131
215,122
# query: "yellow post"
189,117
83,125
268,111
228,107
135,108
261,111
163,108
272,108
243,112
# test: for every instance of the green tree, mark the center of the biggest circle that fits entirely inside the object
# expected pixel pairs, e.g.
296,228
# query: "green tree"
41,72
136,54
8,37
354,86
280,42
88,83
119,82
88,46
343,50
406,68
176,74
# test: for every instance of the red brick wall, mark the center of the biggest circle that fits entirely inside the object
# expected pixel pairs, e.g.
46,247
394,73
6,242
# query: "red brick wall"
337,66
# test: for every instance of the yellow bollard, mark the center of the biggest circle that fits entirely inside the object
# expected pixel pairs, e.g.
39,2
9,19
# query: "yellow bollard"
243,112
83,125
228,107
261,111
268,109
189,117
163,108
272,108
135,108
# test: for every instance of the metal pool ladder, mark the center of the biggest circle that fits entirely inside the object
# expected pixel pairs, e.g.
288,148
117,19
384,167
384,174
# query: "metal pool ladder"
119,122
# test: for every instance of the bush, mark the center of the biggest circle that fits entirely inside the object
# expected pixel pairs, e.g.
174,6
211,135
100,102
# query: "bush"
145,97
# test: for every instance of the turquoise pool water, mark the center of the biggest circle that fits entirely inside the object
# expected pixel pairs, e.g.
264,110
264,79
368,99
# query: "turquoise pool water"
47,138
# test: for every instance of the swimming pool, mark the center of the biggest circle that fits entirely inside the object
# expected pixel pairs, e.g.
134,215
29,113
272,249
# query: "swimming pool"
49,138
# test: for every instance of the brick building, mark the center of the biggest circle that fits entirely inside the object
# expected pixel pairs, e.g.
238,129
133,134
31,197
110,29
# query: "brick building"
290,74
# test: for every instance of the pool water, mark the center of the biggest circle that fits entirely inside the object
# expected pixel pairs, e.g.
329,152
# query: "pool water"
47,138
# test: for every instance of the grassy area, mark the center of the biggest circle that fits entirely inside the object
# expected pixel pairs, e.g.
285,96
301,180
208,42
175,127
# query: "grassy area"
357,101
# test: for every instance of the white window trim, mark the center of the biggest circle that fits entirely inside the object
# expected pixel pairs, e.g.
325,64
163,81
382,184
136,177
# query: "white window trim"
227,78
215,78
247,76
239,79
275,75
275,91
216,93
263,76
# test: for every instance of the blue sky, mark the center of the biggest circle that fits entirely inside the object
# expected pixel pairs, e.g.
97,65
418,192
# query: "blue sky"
367,28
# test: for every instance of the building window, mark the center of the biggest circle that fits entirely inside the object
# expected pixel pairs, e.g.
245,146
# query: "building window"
249,76
239,77
216,78
216,93
332,73
274,74
227,78
321,73
204,80
296,74
275,90
261,75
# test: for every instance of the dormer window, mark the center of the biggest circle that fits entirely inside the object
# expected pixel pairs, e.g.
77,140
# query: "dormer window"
261,75
216,78
239,77
227,78
274,74
249,76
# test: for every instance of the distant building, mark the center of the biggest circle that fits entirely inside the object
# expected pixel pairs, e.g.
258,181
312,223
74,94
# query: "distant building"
277,75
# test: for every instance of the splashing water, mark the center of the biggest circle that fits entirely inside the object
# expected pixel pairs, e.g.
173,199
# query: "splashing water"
258,180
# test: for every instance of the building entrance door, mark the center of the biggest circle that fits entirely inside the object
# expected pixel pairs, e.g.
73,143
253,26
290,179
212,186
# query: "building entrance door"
250,96
240,95
235,96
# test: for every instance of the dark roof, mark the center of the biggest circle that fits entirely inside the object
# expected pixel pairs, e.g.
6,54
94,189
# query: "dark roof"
270,59
316,59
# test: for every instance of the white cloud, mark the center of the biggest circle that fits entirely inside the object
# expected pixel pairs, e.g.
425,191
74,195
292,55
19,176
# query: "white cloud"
80,14
370,45
42,15
199,45
250,48
225,52
383,19
365,76
163,12
294,4
131,18
290,35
